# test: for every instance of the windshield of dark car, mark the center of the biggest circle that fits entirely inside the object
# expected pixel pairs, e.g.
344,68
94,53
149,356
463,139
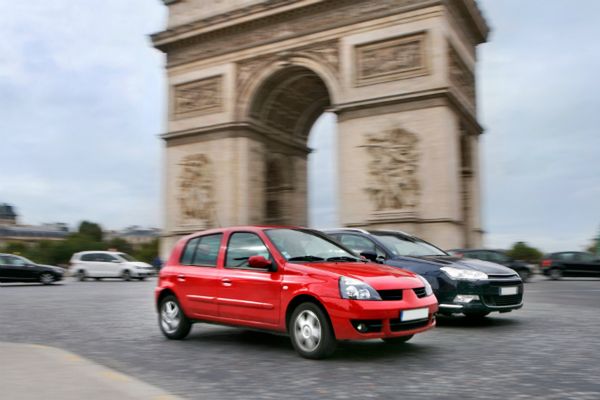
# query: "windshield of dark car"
408,246
304,245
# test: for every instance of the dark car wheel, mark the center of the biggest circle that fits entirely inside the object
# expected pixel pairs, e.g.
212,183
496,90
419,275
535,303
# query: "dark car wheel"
524,274
81,275
46,278
311,333
141,278
171,319
555,274
474,315
398,340
126,275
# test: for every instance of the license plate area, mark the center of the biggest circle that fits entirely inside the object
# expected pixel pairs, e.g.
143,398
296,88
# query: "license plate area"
509,290
413,315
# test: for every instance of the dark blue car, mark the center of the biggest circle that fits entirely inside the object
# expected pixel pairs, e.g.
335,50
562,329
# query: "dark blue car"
468,286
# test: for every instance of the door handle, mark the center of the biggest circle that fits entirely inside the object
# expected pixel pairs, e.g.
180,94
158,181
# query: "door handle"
226,282
181,278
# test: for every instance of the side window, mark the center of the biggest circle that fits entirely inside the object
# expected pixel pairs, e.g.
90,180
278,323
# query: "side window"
498,257
207,250
243,245
88,257
188,252
15,261
3,260
107,258
584,257
566,256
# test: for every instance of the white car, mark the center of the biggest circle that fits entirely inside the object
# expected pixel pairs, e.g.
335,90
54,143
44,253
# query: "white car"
108,264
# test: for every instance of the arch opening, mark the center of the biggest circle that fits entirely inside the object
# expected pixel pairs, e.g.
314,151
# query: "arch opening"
285,109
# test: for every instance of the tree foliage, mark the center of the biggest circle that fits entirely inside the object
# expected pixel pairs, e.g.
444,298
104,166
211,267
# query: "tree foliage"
522,251
90,230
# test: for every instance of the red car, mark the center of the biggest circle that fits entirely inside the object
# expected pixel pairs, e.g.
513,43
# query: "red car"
289,280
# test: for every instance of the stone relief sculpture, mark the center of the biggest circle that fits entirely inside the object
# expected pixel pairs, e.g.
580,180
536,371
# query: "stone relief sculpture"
460,75
391,59
393,169
197,97
196,190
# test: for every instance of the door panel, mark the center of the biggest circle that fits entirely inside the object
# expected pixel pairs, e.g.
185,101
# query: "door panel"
248,295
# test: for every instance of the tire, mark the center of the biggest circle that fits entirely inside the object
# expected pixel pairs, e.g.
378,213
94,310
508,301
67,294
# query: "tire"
46,278
476,315
142,278
171,319
126,275
311,332
97,279
81,275
398,340
524,274
555,274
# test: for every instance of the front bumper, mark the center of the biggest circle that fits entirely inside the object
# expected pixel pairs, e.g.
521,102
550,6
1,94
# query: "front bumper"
488,291
382,318
142,274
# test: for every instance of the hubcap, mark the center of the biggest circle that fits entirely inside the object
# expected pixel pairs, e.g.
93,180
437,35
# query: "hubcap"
47,278
307,330
170,316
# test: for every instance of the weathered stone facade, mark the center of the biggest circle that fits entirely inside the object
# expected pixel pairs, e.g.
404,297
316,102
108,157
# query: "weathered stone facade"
248,78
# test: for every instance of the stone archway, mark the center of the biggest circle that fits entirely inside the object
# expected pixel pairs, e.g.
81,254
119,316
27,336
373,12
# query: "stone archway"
248,78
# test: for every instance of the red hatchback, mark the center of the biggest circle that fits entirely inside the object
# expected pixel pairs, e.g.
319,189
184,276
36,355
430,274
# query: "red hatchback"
289,280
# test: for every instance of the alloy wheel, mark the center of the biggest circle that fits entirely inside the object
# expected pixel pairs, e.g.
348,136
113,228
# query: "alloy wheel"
307,330
170,316
46,278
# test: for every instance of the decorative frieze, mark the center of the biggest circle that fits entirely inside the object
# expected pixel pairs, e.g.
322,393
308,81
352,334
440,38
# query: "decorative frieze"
460,75
196,191
198,97
390,59
393,170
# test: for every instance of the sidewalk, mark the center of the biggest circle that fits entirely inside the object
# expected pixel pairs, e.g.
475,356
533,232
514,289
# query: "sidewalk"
31,372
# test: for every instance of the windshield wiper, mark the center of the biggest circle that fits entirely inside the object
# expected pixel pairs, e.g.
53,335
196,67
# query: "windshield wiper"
343,258
306,258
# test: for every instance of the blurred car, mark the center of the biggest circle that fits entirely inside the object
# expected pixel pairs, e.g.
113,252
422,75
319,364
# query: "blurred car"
498,257
570,264
289,280
468,286
19,269
109,264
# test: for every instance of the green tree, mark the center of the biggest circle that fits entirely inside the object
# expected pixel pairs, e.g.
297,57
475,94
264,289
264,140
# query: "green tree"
120,244
522,251
147,251
90,230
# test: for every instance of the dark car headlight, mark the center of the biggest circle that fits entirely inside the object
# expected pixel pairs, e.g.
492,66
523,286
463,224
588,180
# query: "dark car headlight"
464,274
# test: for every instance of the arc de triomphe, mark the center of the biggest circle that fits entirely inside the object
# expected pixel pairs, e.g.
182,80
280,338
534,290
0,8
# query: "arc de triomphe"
248,78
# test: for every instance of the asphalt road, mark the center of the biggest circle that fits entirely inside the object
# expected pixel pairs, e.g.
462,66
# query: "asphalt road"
550,349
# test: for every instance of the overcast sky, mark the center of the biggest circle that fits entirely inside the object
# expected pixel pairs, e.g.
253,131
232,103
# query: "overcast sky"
82,100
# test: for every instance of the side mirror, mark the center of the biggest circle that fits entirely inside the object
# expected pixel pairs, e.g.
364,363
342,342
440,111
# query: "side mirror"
259,262
369,255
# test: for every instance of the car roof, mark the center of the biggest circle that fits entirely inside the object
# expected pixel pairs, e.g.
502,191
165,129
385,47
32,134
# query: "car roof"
368,232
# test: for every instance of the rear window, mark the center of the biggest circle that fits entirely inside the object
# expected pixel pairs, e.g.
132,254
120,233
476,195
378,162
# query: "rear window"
202,251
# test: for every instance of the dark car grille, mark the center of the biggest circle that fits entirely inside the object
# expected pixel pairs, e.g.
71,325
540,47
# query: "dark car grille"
397,325
395,294
420,292
501,301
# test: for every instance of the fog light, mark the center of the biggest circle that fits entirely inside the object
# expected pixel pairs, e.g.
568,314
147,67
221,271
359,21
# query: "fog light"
361,327
466,298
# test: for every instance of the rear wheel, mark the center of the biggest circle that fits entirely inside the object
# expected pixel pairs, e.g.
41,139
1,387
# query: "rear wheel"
555,274
474,315
398,340
171,319
311,333
81,275
46,278
141,278
126,275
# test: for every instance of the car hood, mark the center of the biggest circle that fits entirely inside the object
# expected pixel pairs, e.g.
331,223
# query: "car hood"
377,275
139,264
463,263
52,267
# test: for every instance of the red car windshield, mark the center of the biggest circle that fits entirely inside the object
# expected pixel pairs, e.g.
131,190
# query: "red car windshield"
303,245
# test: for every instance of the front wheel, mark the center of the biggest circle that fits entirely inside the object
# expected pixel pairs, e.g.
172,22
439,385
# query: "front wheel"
311,333
398,340
46,278
81,275
171,319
